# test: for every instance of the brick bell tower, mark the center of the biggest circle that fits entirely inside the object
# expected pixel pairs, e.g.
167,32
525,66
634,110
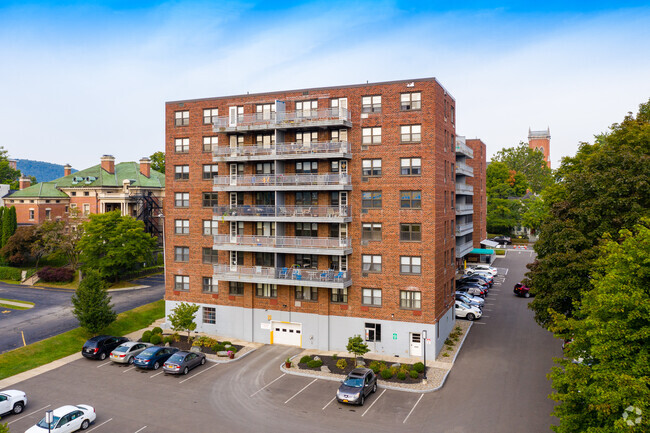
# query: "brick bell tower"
541,140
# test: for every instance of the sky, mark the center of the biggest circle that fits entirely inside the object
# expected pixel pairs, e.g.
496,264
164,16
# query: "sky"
83,79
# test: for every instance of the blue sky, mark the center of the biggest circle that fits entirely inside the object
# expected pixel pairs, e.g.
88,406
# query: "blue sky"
81,79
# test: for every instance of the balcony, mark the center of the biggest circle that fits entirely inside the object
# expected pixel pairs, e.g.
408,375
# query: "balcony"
463,188
463,248
320,149
463,149
464,209
464,229
464,169
321,117
283,182
324,214
283,276
284,244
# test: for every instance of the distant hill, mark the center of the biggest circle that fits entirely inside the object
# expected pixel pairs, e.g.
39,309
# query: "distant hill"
42,171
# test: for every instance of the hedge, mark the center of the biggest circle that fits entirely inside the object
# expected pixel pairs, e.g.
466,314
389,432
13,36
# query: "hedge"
9,273
55,275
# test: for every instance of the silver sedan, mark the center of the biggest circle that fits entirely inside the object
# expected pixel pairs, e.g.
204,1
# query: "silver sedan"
126,352
183,362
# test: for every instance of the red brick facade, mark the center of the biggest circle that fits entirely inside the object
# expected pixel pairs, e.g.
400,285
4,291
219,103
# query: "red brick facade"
479,165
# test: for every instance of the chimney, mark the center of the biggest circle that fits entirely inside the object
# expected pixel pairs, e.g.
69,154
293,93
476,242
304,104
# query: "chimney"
108,163
24,182
67,170
145,166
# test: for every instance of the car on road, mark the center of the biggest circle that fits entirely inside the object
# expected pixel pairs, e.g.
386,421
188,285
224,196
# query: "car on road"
183,362
101,346
469,312
67,419
125,353
470,300
504,240
154,357
358,384
522,290
12,401
483,268
472,289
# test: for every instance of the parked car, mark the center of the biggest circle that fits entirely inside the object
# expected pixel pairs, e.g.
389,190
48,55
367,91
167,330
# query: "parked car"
484,268
477,279
472,289
12,401
125,353
183,362
522,290
480,273
357,385
153,357
470,313
101,346
473,298
67,419
469,300
505,240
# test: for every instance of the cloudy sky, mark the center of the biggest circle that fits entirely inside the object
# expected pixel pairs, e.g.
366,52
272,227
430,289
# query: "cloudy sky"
82,79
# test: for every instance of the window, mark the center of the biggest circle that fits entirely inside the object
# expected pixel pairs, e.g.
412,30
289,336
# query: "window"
86,209
208,286
410,265
236,288
371,167
181,118
410,232
265,140
236,140
31,214
86,193
264,168
371,199
181,172
261,198
371,231
306,293
182,227
266,290
411,133
265,111
210,171
371,297
181,282
340,296
371,104
182,199
339,135
308,198
370,263
306,229
307,261
210,199
371,135
411,101
307,167
209,315
182,254
210,143
210,115
373,332
410,300
452,114
210,228
411,166
307,108
410,199
210,256
182,145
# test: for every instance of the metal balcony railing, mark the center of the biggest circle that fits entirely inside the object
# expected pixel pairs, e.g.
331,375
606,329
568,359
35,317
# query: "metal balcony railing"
284,211
283,241
464,207
297,275
282,119
464,149
302,149
462,188
462,229
283,180
465,169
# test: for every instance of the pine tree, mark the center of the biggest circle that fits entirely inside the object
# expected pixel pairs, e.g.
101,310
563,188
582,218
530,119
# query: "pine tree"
6,226
13,219
2,211
92,304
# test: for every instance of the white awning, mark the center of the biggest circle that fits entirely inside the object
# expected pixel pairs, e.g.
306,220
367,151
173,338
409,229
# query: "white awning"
490,244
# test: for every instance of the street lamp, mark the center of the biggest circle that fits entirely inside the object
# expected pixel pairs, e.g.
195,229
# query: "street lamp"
424,337
49,417
162,217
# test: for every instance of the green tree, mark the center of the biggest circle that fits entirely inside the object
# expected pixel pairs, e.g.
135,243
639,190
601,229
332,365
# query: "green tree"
606,367
114,244
158,161
502,182
503,215
4,428
92,304
2,211
9,224
8,175
18,249
58,237
534,214
529,162
182,317
356,346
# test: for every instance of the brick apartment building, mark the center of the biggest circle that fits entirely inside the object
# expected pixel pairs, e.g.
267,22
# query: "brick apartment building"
304,217
478,163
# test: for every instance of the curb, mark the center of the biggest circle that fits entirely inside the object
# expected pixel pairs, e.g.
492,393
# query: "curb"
11,380
217,361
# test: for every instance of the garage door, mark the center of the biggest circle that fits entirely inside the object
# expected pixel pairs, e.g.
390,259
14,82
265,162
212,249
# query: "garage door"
288,333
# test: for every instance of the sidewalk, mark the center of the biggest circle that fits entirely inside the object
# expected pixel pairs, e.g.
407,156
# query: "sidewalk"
16,304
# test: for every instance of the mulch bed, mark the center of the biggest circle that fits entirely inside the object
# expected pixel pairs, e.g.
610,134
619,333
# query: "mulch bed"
331,364
185,345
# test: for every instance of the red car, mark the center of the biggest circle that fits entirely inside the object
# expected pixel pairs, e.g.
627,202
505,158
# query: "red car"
522,290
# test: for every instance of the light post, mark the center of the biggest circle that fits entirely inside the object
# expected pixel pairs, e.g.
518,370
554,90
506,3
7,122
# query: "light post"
49,417
162,217
424,350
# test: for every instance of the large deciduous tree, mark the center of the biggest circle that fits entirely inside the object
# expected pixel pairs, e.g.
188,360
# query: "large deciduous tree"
529,162
158,161
92,304
18,249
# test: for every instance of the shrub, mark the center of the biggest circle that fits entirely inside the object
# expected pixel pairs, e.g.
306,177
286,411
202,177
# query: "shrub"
448,342
218,347
226,342
156,330
168,339
176,337
305,359
8,273
335,356
342,364
386,373
374,366
233,349
445,355
155,339
419,367
458,329
146,336
401,375
394,370
55,275
414,374
314,363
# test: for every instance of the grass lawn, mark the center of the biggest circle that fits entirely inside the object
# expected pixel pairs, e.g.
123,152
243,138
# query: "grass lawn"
15,307
71,285
500,252
10,281
51,349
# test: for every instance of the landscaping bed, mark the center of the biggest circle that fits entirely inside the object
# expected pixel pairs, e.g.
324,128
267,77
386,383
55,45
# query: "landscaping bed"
207,345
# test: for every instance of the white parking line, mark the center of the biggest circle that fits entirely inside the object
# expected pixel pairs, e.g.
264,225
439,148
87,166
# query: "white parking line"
479,323
97,426
416,403
29,414
194,375
128,369
106,363
141,429
330,402
154,375
269,384
376,400
306,386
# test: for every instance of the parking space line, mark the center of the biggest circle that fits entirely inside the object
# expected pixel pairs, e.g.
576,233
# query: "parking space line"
306,386
194,375
106,363
373,403
141,429
161,372
128,369
478,323
328,403
97,426
29,414
269,384
412,409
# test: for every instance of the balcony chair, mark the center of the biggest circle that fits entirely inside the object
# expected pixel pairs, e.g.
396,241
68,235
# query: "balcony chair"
284,273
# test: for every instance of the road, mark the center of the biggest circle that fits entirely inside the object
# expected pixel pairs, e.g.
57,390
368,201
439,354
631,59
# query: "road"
52,313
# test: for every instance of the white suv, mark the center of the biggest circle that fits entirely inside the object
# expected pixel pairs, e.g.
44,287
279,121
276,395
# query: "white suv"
482,268
461,309
12,401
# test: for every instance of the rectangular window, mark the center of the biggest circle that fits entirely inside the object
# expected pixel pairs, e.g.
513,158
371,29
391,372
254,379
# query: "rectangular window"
410,101
264,168
182,254
373,332
210,171
307,167
306,229
210,228
410,300
371,297
410,265
210,143
410,199
306,293
210,115
371,199
411,133
411,166
307,108
265,140
86,209
371,231
181,282
182,199
265,111
210,256
452,114
410,232
371,104
210,199
308,198
266,290
236,140
306,137
236,288
182,227
340,296
48,214
31,214
339,135
371,167
181,172
209,315
307,261
371,135
208,286
181,118
370,263
181,145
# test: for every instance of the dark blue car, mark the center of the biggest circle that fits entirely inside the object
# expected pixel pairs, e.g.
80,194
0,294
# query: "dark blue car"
154,357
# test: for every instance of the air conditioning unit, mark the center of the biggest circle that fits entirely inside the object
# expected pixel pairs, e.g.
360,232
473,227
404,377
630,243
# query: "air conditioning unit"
364,179
364,274
364,147
364,243
364,210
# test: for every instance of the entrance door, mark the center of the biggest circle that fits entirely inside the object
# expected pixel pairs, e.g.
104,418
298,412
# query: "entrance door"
233,174
288,333
415,347
343,203
343,235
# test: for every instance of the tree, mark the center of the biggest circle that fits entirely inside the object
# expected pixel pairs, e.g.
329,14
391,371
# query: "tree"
4,428
503,215
501,182
114,244
18,249
529,162
158,161
356,346
58,237
9,224
606,367
92,304
182,318
534,214
8,175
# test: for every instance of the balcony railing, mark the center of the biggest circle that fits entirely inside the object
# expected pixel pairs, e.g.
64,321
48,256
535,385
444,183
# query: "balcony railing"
464,149
290,276
463,248
463,188
283,241
463,229
284,119
465,169
288,149
283,180
284,211
464,207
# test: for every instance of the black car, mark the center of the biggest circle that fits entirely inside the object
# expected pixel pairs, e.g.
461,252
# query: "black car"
504,240
356,386
101,346
475,279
